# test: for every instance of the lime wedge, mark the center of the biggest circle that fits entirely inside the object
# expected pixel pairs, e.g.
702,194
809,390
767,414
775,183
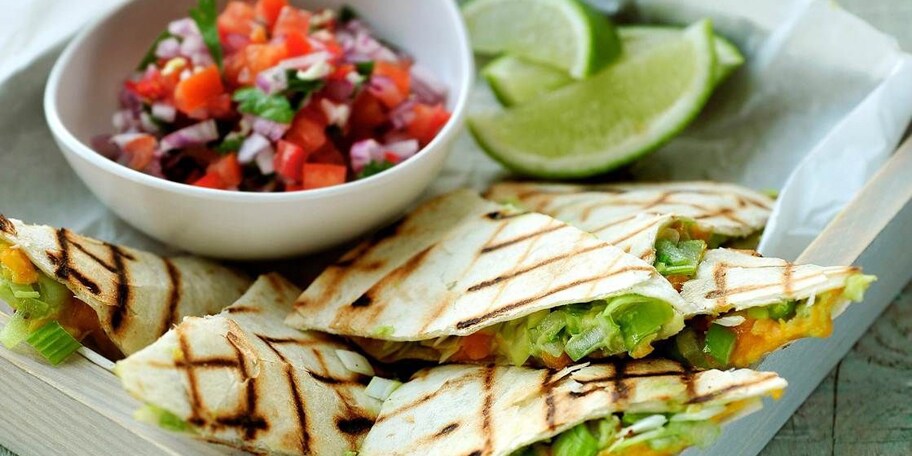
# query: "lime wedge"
599,124
728,57
565,34
515,80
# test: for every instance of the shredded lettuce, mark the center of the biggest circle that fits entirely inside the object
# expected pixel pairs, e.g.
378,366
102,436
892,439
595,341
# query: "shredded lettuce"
577,441
15,331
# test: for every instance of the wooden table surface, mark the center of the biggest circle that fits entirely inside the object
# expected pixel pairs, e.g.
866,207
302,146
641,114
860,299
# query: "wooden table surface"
864,407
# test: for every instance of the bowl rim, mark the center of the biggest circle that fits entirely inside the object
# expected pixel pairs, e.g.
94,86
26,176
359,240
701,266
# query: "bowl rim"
79,148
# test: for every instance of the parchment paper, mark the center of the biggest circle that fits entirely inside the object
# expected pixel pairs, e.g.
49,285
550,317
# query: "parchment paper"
821,103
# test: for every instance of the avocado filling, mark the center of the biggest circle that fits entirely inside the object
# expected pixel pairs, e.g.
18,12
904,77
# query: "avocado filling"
641,434
742,338
552,338
47,315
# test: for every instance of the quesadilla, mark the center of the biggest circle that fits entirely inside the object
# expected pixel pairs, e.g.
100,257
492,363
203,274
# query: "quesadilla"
67,289
244,379
666,224
755,305
644,407
466,279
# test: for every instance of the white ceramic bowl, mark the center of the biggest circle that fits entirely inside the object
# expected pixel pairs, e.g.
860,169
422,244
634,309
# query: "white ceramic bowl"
81,96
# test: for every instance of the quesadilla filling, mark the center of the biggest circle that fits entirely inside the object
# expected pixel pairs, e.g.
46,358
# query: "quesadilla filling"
551,338
680,247
629,434
741,338
47,315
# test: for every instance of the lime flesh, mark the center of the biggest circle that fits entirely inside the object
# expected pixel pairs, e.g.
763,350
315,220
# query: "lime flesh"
516,81
604,122
564,34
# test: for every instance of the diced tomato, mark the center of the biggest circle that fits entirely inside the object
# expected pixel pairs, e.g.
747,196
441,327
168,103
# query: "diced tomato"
296,43
308,130
268,10
198,89
291,19
223,174
366,115
398,72
427,122
238,17
22,270
242,67
341,72
318,175
328,154
333,47
141,151
289,160
476,346
293,187
154,85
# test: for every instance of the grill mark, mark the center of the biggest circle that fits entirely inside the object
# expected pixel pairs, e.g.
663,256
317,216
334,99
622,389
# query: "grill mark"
362,301
7,226
63,269
550,408
525,237
631,234
174,296
94,257
612,377
208,363
497,312
726,212
545,262
503,215
621,389
122,290
300,413
787,280
249,421
714,394
722,294
446,430
354,426
193,395
719,279
486,425
475,453
242,309
453,383
614,223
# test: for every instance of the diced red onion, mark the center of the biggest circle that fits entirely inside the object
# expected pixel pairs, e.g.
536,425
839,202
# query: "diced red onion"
403,114
234,42
164,112
363,152
129,100
253,145
272,80
305,61
265,160
380,85
426,87
195,48
124,120
168,48
147,124
104,146
402,149
336,114
195,134
358,44
121,140
183,28
268,128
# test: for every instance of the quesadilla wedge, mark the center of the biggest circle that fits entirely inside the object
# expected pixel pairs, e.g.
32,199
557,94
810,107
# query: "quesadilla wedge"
757,305
67,289
666,224
466,279
644,407
244,379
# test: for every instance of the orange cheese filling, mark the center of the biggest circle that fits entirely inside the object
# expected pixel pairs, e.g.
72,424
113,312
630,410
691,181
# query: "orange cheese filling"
22,270
755,338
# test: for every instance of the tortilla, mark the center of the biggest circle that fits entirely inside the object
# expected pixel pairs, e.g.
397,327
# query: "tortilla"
764,303
496,410
459,264
243,378
137,296
631,216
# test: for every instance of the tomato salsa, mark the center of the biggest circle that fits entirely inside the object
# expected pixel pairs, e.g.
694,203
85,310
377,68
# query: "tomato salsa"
267,97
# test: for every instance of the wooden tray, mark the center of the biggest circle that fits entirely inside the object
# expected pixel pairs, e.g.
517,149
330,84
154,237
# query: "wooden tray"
80,408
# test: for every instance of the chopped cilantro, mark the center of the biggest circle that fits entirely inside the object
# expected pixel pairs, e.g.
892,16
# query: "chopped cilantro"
374,167
206,16
254,101
150,54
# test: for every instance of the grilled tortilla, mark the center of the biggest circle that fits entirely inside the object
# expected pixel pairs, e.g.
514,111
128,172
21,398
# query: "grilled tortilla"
245,379
756,305
653,407
115,298
465,279
674,218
